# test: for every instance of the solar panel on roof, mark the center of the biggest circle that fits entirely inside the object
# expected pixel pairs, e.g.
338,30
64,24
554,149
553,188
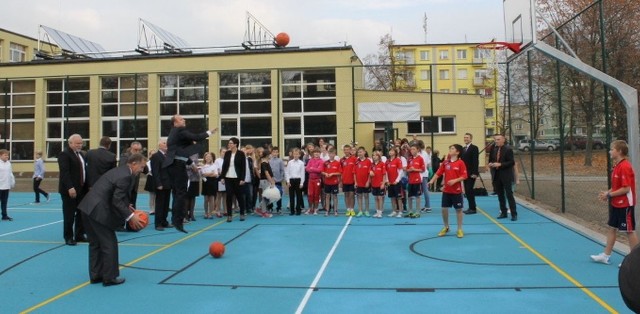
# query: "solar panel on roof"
166,36
75,44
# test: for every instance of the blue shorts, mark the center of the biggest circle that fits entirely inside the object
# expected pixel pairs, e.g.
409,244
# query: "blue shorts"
348,188
415,190
452,200
331,189
360,190
394,190
377,191
622,219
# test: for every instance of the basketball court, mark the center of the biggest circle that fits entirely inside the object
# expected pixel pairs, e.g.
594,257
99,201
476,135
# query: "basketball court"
313,264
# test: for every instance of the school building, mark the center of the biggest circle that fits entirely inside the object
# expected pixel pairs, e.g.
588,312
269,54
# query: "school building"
283,96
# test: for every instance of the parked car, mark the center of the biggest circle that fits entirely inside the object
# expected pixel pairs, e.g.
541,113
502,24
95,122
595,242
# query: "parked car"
525,145
580,142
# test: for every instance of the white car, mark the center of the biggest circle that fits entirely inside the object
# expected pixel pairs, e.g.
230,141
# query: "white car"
525,145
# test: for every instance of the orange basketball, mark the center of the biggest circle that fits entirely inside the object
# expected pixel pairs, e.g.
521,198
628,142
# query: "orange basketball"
282,40
216,249
142,216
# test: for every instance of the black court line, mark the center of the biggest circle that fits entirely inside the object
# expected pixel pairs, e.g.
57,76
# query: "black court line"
413,249
30,258
396,289
164,281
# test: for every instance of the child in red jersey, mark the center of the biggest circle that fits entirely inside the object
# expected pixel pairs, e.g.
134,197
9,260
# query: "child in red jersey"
394,175
314,168
622,200
363,180
348,163
378,175
455,172
331,174
415,168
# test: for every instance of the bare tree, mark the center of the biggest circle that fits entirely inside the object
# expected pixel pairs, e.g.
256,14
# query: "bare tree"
387,70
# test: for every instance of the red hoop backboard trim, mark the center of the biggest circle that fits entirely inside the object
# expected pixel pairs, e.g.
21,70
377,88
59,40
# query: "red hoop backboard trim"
500,45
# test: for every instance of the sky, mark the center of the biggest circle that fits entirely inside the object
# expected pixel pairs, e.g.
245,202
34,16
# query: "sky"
206,23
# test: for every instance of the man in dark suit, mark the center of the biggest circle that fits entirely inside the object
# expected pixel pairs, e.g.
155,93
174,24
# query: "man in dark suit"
163,186
107,207
501,162
72,189
234,171
134,148
99,161
181,144
470,157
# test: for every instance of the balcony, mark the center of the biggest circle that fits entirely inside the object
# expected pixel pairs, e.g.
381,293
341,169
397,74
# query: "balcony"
478,81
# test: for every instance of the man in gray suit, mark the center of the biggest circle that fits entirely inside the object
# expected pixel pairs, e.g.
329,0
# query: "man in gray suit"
99,161
105,208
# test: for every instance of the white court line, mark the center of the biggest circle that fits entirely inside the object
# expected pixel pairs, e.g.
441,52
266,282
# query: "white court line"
31,228
304,301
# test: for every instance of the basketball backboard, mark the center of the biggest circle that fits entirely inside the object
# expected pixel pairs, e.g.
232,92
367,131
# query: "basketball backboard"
520,21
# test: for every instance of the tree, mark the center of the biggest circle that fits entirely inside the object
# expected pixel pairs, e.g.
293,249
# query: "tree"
387,70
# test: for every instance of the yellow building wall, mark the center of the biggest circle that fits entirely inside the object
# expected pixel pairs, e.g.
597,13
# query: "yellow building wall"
6,38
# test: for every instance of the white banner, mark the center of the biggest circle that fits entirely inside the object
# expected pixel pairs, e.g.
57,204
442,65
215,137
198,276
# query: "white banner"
388,111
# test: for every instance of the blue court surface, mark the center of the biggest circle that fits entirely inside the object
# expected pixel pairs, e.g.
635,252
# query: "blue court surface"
312,264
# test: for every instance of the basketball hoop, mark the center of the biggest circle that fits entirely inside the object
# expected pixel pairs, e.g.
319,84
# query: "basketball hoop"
500,45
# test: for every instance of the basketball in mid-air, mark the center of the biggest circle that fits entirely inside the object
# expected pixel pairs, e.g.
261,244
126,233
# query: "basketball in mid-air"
282,40
142,216
216,249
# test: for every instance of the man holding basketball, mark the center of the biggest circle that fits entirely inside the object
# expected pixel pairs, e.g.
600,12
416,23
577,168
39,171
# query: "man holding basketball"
105,208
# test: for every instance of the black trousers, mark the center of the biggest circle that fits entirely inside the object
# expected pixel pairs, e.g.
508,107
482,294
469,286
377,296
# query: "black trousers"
468,189
4,199
103,250
72,225
504,190
38,190
295,196
247,192
163,197
178,171
234,192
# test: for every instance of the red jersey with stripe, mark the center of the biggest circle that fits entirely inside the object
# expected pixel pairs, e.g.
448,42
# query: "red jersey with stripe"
348,169
392,169
452,170
417,163
623,176
379,170
330,167
362,172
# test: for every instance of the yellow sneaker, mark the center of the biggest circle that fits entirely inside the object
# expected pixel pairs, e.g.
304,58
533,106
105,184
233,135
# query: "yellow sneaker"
443,231
460,233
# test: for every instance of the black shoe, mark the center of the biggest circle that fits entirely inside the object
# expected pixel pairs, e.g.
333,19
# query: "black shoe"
514,218
291,213
502,216
181,228
160,228
241,217
70,242
113,282
96,280
7,218
470,212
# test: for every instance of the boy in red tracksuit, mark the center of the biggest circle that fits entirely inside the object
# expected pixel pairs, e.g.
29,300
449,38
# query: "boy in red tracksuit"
455,172
415,168
331,174
348,163
394,175
314,168
363,180
378,177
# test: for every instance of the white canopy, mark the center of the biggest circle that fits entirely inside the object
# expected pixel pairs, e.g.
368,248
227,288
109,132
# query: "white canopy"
388,111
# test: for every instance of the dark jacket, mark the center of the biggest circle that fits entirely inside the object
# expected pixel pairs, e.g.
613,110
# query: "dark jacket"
505,172
160,175
99,161
108,201
70,172
180,143
470,157
239,163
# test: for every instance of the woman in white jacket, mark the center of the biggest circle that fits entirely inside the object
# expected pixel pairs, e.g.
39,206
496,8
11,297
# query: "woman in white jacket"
7,182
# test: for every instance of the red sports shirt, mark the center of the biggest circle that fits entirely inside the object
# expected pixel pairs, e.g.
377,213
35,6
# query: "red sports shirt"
348,169
379,170
452,170
416,163
332,166
362,172
622,176
392,169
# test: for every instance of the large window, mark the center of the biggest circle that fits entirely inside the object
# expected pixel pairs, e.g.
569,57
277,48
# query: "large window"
425,75
437,125
186,95
309,107
124,110
461,54
67,112
425,55
17,53
444,54
444,74
17,106
462,74
245,107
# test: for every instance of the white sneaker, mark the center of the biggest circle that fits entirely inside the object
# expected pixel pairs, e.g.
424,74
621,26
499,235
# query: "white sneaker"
600,258
393,214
